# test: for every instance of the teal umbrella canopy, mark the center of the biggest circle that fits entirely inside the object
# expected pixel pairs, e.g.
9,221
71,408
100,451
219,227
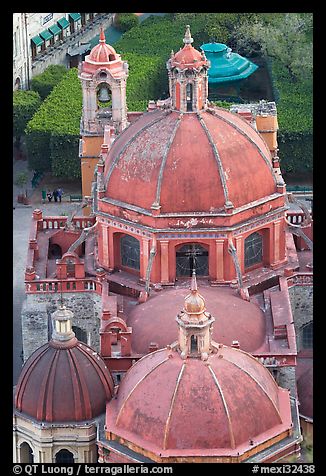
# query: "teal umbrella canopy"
225,65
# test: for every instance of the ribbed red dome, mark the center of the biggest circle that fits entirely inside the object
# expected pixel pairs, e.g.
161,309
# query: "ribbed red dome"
189,162
102,53
63,382
189,56
236,319
216,406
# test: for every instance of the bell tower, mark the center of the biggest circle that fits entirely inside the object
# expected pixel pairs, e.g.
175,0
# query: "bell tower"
188,79
103,76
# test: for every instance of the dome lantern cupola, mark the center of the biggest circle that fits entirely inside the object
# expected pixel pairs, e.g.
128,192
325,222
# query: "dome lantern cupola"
188,80
61,322
195,325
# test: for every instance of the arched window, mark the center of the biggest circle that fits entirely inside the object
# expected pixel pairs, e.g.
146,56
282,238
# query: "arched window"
193,344
26,454
55,251
130,252
192,257
307,336
253,249
189,96
64,456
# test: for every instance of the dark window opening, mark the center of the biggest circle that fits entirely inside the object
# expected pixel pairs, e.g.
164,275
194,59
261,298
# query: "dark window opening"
193,344
64,456
189,97
55,251
253,249
130,252
26,454
80,334
192,257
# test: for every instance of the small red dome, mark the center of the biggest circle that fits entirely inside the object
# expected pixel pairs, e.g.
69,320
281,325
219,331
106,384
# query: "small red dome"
102,53
189,56
63,382
218,405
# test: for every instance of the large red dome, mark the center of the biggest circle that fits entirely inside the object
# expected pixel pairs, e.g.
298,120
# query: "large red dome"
191,162
236,319
212,407
63,382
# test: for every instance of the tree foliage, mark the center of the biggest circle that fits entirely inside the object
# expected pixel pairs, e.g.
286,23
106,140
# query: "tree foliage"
286,39
44,83
25,104
59,116
125,21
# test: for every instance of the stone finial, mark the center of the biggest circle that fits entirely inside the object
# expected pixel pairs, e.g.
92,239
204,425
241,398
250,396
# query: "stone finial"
187,38
102,35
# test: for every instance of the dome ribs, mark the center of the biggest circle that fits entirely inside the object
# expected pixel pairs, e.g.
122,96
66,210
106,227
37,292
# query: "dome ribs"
100,371
228,203
79,387
156,204
167,425
244,134
132,138
259,385
136,385
25,374
232,440
48,380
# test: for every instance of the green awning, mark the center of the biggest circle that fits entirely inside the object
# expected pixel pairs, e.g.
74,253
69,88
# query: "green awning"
75,16
63,23
55,30
46,35
37,40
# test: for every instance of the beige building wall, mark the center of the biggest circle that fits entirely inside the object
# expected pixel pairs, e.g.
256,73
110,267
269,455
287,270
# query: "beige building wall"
46,440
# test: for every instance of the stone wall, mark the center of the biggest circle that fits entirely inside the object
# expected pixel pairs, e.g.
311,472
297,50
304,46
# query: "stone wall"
36,318
286,379
301,298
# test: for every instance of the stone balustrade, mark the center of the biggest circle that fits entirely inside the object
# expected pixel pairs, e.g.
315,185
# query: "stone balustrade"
71,285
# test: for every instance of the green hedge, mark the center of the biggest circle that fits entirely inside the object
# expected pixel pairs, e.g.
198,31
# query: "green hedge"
125,21
52,134
25,104
295,118
44,83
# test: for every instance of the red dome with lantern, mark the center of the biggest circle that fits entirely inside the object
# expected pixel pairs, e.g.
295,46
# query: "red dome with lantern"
64,380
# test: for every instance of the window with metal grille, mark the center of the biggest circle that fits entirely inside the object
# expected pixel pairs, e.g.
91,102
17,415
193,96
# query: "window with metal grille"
253,249
307,336
130,252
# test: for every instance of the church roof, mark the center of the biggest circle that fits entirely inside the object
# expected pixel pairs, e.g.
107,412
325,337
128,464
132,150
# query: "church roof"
214,407
189,163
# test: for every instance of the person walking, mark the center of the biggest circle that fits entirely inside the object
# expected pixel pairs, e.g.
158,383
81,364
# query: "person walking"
60,192
49,195
55,195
